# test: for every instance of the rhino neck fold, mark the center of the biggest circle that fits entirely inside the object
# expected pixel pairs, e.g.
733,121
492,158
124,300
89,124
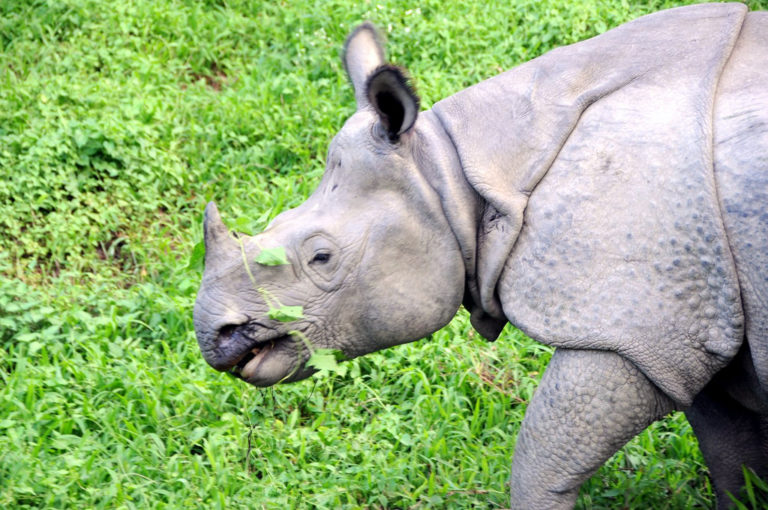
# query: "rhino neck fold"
463,208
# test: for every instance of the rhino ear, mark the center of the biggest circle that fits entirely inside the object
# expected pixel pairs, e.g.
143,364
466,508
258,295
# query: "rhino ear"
363,53
393,99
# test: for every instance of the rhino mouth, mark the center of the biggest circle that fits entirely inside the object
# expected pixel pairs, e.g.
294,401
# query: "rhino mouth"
244,363
249,363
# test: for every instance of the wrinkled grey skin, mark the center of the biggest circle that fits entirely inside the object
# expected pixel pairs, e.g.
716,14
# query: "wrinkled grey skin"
608,198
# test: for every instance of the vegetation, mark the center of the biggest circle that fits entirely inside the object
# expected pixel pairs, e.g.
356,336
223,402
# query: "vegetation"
118,122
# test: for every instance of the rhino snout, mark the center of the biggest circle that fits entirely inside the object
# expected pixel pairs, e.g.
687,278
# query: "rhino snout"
222,348
240,347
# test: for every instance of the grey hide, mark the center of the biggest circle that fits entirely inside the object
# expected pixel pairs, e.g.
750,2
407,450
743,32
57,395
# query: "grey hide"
609,198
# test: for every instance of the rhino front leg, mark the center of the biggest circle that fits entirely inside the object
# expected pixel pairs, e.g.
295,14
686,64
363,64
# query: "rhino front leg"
588,405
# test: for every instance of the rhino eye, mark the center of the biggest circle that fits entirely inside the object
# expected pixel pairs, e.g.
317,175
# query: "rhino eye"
320,258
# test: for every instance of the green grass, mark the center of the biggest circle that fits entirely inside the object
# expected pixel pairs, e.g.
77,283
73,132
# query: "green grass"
118,122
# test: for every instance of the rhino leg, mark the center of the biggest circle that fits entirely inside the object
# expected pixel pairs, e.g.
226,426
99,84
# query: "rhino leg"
729,436
730,419
588,405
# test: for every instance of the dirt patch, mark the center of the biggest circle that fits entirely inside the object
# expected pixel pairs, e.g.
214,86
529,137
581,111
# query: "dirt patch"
215,78
501,380
111,249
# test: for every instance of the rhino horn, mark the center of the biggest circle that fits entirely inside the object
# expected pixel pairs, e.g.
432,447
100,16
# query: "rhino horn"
217,238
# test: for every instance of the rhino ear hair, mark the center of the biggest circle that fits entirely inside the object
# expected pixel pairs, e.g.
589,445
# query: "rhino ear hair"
363,53
393,99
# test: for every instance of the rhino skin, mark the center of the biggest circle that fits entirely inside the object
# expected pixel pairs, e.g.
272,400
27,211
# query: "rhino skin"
608,198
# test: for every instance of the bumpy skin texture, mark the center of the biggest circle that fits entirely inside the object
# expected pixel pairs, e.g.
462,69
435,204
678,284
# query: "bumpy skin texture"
609,198
623,247
741,172
589,403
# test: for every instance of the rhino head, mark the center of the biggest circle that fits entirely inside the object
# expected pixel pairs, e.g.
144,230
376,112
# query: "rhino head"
374,259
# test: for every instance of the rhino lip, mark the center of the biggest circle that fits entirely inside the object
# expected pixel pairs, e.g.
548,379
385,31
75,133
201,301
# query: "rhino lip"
245,364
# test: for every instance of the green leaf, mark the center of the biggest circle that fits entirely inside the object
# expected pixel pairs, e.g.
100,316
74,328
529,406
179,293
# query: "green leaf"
272,257
243,224
286,313
34,346
197,257
328,360
323,359
80,138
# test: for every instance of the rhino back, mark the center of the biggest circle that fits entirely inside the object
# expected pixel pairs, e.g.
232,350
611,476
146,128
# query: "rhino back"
623,246
741,170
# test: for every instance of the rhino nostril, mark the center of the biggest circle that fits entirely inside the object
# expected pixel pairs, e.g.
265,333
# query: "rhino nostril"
226,332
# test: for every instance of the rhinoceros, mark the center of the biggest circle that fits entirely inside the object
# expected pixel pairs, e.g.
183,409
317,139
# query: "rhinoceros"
609,198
